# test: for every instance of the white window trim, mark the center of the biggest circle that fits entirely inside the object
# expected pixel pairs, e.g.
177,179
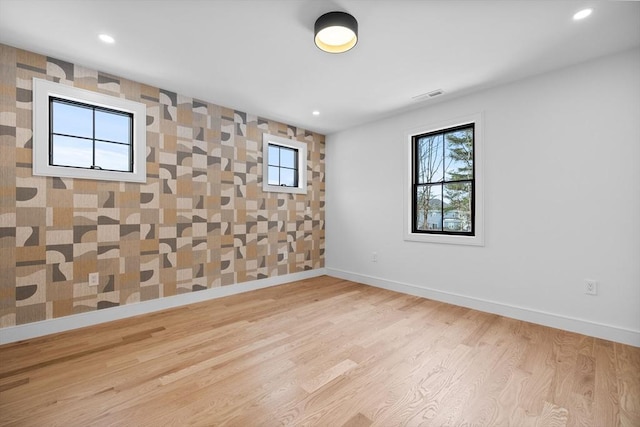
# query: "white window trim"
302,164
478,238
43,90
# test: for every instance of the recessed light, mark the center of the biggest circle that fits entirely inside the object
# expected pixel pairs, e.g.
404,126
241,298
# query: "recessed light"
316,113
582,14
107,38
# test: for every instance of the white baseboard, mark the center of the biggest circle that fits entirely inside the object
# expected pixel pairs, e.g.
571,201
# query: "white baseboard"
46,327
36,329
581,326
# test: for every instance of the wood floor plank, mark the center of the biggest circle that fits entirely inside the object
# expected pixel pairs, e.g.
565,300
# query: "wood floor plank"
323,352
628,375
357,420
583,390
605,396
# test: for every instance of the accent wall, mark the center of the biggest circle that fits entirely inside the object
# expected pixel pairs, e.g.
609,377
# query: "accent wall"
200,221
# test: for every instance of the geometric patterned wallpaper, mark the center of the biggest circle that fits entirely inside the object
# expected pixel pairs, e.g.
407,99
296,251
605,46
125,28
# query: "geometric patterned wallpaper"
200,221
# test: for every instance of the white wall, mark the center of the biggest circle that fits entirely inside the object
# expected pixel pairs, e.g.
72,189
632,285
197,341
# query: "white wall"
562,202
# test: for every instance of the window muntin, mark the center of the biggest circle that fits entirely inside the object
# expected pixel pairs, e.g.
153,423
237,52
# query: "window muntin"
443,186
283,166
90,137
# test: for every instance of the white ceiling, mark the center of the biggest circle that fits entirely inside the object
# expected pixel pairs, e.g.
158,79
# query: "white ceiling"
258,56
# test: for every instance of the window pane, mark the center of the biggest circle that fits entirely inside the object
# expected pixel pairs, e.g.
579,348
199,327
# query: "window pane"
113,156
113,127
73,120
457,211
287,177
274,175
429,152
429,207
69,151
274,155
288,157
459,155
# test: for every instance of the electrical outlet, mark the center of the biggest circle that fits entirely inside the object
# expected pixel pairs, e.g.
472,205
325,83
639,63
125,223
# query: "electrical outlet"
374,257
591,287
94,279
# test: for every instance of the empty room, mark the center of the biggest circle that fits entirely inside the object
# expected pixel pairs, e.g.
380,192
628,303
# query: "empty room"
319,213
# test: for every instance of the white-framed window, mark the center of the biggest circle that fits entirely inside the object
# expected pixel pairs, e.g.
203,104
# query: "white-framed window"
284,165
83,134
443,185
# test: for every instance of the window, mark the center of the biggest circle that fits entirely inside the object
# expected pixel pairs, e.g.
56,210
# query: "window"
284,165
444,183
89,137
84,134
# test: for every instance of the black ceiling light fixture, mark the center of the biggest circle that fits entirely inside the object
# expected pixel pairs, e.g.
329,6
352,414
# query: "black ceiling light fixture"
336,32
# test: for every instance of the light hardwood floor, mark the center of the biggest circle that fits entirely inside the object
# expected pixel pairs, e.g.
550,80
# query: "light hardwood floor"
323,352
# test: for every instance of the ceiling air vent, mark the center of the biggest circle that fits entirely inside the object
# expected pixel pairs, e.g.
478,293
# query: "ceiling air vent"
431,94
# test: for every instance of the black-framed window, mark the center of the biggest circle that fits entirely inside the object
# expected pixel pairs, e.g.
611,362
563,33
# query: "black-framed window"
88,136
283,166
443,187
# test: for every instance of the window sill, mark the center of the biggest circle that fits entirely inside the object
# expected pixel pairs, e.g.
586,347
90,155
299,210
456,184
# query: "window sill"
445,239
283,189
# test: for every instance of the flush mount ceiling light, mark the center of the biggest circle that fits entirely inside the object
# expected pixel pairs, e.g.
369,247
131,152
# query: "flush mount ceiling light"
336,32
